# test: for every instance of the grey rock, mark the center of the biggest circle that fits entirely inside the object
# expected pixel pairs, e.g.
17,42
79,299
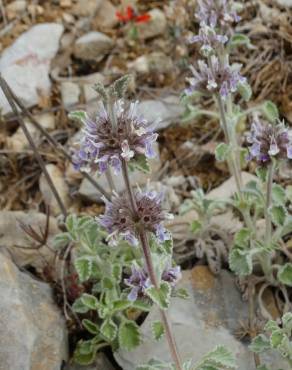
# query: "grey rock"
106,15
153,63
33,333
70,93
89,191
19,245
25,65
284,3
164,112
93,46
210,317
92,6
156,26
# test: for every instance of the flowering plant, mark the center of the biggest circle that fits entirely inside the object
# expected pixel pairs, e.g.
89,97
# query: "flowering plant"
268,143
132,18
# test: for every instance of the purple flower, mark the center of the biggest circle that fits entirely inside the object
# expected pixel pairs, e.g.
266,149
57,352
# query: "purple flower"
172,275
106,145
120,220
208,39
217,13
215,78
269,141
139,280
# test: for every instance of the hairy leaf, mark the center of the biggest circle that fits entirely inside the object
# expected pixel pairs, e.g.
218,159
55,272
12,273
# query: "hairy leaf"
260,344
157,330
160,296
285,274
83,266
129,335
109,329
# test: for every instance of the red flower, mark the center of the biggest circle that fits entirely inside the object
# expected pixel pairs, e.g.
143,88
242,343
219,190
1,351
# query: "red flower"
130,16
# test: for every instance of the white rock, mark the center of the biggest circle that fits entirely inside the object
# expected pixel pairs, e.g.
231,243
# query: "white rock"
89,191
106,15
156,62
287,3
25,64
18,141
93,46
58,180
156,26
164,111
70,94
33,333
21,246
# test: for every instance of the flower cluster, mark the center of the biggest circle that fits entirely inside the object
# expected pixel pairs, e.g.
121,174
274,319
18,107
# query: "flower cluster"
208,39
130,16
217,13
269,141
106,145
217,77
120,220
139,281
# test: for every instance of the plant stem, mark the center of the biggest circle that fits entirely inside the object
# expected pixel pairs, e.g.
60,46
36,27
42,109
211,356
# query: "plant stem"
29,138
234,163
150,269
43,131
268,202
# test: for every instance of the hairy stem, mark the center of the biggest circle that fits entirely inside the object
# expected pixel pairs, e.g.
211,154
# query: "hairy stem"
269,202
234,163
29,138
151,272
43,131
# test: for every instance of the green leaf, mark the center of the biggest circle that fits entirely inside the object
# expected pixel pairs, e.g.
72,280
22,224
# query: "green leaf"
85,352
181,293
270,111
129,335
285,274
240,262
289,193
160,296
100,89
262,367
121,305
271,325
79,307
89,301
141,305
83,266
61,240
260,344
220,357
278,215
90,326
109,329
196,226
276,338
71,224
119,87
78,115
107,283
261,173
245,91
278,194
239,39
221,152
140,162
242,237
157,330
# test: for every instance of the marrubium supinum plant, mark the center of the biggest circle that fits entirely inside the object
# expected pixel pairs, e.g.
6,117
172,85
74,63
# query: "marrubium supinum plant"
269,142
125,253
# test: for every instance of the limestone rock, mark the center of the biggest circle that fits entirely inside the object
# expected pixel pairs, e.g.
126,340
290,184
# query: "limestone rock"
57,177
156,26
70,93
106,15
25,64
93,46
89,10
164,111
153,63
33,333
19,245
